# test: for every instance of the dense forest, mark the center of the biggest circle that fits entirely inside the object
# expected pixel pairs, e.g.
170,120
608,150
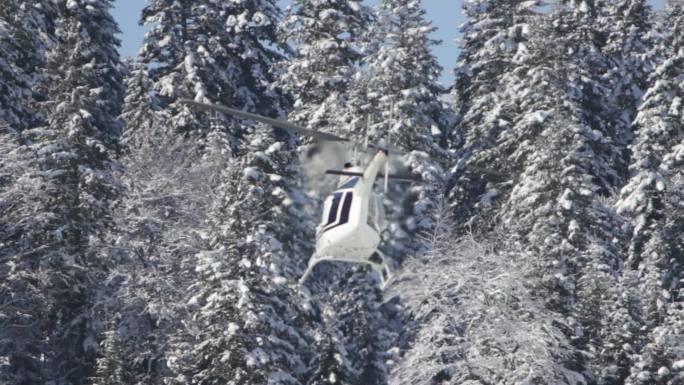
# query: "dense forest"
146,242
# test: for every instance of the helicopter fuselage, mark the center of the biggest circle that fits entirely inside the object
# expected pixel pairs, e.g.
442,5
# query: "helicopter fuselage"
352,222
352,217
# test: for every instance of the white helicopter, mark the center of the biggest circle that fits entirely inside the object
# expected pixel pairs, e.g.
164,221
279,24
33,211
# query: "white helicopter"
353,215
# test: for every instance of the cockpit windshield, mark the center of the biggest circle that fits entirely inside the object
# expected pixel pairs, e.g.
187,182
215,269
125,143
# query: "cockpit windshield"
349,183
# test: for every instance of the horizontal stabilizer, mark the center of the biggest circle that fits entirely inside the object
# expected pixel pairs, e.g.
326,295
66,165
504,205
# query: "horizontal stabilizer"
398,178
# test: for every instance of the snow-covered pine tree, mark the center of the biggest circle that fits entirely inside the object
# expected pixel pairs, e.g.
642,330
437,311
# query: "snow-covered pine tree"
488,159
246,326
67,191
397,93
402,98
494,42
555,130
351,339
210,52
581,33
403,73
661,361
27,28
627,26
659,357
222,52
24,32
328,39
658,129
142,115
609,335
608,309
477,315
649,201
158,222
75,148
613,333
560,157
331,364
14,82
491,37
219,52
111,369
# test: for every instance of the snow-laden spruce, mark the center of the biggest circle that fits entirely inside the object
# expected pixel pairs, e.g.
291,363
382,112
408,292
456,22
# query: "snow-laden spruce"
398,96
24,33
475,316
216,245
67,190
494,41
328,41
652,201
628,26
159,223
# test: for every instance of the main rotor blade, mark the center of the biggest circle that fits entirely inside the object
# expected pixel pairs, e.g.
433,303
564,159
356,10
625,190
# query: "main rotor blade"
287,126
398,178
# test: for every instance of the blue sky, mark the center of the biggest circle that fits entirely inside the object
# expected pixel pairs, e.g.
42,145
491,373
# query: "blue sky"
445,15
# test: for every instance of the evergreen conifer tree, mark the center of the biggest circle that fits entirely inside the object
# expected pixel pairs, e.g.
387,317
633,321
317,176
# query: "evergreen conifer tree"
212,52
328,38
243,276
220,53
403,100
27,30
75,150
14,83
158,222
24,33
494,43
560,162
352,318
658,129
655,252
68,189
330,41
628,28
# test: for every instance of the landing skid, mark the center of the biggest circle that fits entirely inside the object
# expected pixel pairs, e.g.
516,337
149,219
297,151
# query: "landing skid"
380,266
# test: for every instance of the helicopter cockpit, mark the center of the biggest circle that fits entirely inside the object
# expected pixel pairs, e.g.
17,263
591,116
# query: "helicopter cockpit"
337,208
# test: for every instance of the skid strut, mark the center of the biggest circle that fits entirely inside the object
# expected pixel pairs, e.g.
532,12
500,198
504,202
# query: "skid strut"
377,261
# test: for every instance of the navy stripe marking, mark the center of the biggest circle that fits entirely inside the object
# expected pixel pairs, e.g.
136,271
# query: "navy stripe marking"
346,209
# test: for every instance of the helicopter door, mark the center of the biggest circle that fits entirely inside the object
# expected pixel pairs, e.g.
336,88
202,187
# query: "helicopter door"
381,212
376,213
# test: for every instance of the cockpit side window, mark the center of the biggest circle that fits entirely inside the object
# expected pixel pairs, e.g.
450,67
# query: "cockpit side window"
332,214
333,219
346,208
349,183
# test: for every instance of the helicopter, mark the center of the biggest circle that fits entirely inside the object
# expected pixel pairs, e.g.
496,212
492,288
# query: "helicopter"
353,217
